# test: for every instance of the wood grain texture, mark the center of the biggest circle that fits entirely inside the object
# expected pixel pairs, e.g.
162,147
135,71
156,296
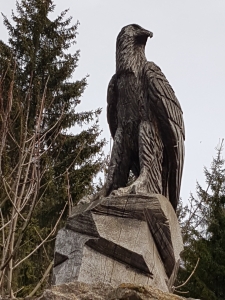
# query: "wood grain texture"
146,122
134,234
149,209
83,223
146,208
160,230
68,244
59,258
97,267
121,254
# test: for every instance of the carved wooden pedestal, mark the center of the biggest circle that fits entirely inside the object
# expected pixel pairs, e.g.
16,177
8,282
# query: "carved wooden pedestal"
132,238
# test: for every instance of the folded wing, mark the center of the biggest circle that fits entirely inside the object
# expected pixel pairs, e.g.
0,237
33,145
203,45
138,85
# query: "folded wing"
166,108
112,106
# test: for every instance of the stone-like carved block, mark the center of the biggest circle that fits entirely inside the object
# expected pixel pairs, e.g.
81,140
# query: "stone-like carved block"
131,238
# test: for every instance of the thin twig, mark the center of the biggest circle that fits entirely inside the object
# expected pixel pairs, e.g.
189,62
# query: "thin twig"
51,233
68,192
183,292
42,279
179,286
3,232
43,245
13,204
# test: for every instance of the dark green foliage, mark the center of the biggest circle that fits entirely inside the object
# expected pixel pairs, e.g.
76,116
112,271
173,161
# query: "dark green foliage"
203,225
37,69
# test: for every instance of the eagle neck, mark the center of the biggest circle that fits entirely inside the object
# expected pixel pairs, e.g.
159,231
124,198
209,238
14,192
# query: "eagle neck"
130,58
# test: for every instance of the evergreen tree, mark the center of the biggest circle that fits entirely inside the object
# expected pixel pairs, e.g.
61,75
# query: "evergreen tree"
204,236
38,107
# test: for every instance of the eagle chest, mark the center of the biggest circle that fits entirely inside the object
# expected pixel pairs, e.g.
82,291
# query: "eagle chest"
130,99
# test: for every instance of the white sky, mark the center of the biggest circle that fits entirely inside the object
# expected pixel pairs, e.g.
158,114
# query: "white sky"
188,45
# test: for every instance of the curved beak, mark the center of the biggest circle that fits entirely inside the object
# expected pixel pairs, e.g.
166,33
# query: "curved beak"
150,34
143,32
143,35
147,33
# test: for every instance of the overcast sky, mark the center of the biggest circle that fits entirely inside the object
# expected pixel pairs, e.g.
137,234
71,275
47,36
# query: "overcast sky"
189,47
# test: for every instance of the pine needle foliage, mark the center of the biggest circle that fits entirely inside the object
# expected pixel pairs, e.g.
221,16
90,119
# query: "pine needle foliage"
203,225
44,168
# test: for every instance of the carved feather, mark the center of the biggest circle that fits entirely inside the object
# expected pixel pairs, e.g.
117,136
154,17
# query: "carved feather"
112,106
167,110
145,120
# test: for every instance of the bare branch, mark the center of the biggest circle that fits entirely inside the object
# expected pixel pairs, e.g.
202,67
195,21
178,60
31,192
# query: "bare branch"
51,233
43,244
6,185
3,224
70,203
192,273
42,279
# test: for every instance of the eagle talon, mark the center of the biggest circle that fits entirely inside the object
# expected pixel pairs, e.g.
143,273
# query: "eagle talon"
133,190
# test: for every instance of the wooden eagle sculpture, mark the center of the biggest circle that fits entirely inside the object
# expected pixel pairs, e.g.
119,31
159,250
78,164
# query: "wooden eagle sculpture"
146,123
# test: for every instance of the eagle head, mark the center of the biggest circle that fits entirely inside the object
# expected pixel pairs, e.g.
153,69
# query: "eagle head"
130,46
134,33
